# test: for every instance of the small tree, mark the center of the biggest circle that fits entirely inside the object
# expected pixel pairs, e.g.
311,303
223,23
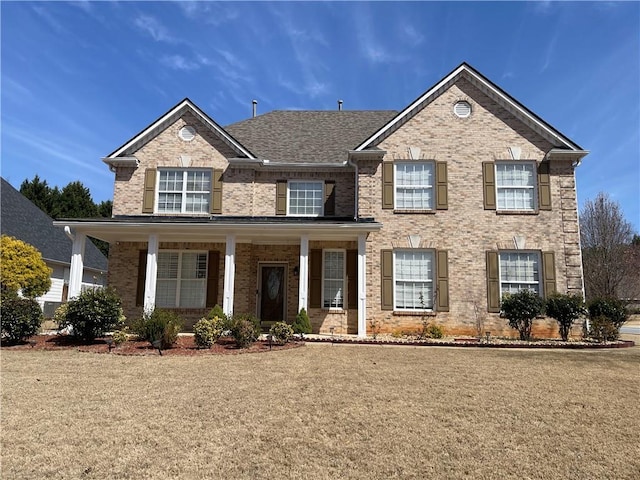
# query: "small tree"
606,315
93,313
23,269
565,309
520,309
301,325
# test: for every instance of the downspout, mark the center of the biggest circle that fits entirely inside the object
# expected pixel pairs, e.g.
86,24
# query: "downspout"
356,216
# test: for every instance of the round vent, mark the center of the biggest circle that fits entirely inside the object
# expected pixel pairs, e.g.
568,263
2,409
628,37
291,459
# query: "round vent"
462,109
187,133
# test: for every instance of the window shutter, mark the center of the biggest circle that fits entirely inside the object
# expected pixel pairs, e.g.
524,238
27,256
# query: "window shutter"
549,273
489,182
544,186
329,198
442,202
352,279
213,274
493,282
386,267
142,273
216,192
387,185
281,197
149,195
442,271
315,280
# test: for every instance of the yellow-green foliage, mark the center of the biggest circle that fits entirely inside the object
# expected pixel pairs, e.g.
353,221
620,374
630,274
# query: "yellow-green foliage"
23,268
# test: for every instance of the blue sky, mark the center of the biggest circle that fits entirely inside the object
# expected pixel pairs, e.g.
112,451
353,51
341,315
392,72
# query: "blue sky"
81,78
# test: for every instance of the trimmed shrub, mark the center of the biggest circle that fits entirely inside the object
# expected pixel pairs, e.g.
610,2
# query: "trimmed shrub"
565,309
245,329
93,313
434,331
21,318
161,325
281,332
120,336
520,309
602,329
207,331
606,316
301,325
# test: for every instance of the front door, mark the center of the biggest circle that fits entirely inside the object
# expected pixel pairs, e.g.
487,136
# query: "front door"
272,283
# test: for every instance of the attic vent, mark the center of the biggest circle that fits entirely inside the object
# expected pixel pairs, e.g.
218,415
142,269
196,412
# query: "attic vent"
187,133
462,109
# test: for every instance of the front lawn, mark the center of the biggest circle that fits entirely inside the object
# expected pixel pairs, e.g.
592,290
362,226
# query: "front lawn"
323,411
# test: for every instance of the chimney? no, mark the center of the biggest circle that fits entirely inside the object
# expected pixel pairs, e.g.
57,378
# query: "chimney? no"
339,105
255,108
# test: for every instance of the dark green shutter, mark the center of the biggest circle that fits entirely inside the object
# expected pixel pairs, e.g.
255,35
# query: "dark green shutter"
442,289
352,279
149,194
281,197
544,186
329,198
442,201
386,268
489,184
493,282
142,273
315,280
213,276
387,185
216,191
549,273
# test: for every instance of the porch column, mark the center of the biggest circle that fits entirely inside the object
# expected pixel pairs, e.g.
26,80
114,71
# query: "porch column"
151,276
77,265
229,275
303,279
362,285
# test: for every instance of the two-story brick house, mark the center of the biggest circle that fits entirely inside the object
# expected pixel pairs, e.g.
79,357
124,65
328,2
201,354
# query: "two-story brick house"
356,216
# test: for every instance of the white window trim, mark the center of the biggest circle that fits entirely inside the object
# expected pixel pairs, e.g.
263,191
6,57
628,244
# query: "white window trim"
396,185
319,182
539,282
344,278
179,279
183,205
432,281
534,187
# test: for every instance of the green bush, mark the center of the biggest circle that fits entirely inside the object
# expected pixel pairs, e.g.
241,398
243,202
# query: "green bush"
245,329
207,331
434,331
565,309
281,332
120,336
21,318
520,309
301,325
161,325
606,316
93,313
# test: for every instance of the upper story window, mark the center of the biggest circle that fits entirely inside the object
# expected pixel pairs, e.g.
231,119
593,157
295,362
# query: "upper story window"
516,185
184,191
414,185
333,274
182,279
519,271
413,280
305,198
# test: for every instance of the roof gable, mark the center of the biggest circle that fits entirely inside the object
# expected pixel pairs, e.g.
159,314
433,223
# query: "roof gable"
525,115
25,221
161,124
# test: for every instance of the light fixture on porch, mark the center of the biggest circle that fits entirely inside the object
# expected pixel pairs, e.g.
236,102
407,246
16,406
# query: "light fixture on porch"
296,271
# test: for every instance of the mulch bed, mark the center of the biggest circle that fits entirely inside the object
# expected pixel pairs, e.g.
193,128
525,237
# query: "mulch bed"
185,346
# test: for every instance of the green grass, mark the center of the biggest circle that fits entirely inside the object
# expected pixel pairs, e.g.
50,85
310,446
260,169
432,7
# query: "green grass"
323,412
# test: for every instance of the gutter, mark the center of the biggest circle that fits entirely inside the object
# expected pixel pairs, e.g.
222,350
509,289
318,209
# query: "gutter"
559,152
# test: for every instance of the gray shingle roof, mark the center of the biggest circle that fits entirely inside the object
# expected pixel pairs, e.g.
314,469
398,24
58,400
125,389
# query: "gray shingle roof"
308,136
21,219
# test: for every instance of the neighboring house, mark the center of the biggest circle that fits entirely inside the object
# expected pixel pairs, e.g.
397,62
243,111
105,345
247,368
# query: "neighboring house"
357,216
21,219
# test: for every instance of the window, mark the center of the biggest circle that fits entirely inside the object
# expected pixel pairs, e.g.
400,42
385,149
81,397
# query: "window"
333,268
184,191
413,280
305,198
414,186
519,271
182,279
515,184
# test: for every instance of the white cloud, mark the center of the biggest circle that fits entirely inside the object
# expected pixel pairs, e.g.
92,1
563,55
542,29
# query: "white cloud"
154,28
411,35
178,62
